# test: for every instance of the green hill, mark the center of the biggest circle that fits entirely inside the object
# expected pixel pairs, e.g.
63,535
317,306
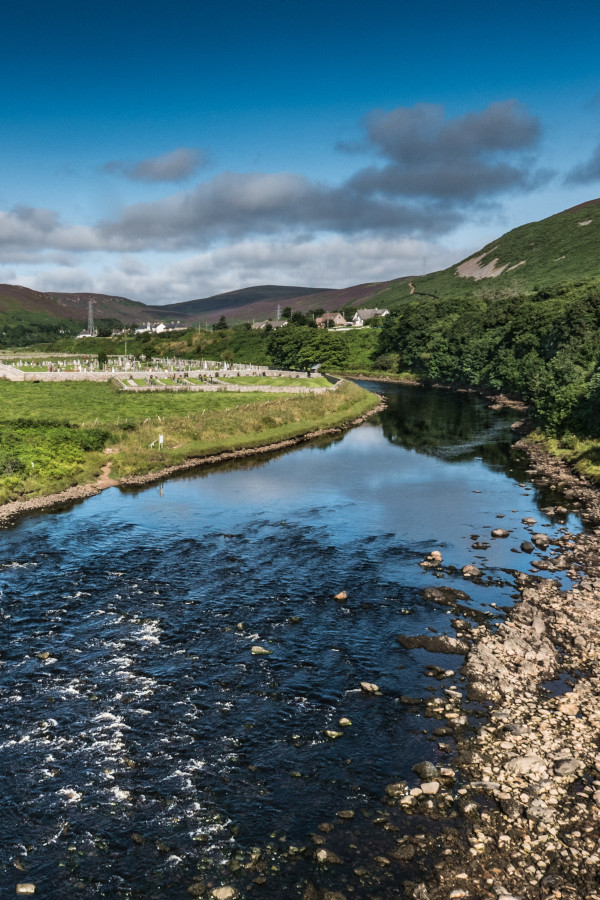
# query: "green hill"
259,302
562,249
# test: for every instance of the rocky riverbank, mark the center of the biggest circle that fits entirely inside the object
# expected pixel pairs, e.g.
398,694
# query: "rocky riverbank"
529,794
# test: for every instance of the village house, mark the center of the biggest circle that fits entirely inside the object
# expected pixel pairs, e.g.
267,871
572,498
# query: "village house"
329,320
362,316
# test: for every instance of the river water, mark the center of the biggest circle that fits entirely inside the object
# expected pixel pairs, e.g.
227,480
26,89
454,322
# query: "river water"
144,749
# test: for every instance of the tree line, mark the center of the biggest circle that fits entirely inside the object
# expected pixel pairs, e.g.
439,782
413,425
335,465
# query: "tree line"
543,347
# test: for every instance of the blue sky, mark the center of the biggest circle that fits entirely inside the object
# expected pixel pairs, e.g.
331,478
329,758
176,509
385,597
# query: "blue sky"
167,151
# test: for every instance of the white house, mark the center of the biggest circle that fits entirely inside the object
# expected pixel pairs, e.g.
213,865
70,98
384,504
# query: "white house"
361,316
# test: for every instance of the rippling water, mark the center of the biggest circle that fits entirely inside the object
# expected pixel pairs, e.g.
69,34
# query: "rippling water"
142,745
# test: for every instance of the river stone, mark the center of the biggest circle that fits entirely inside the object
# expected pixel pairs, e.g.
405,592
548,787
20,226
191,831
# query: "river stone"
430,787
538,811
441,643
260,651
526,765
500,533
26,887
540,540
224,893
433,560
527,547
341,596
369,687
398,789
328,856
528,521
568,766
471,571
404,853
425,770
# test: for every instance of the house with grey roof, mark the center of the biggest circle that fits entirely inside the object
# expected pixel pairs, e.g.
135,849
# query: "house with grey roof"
362,316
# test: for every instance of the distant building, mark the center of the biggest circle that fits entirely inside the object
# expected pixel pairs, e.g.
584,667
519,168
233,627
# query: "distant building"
278,323
152,328
362,316
327,320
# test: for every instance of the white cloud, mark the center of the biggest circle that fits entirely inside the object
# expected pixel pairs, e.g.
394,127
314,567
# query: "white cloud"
329,261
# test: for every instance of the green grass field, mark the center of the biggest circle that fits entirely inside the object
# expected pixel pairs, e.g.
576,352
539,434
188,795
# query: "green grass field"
53,436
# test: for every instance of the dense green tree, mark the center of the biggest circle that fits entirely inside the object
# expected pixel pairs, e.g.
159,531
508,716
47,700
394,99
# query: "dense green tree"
544,347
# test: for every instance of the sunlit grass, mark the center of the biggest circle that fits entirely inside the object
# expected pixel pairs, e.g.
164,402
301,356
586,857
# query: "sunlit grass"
193,424
582,454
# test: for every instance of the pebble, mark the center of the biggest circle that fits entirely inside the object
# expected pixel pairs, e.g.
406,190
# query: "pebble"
224,893
430,787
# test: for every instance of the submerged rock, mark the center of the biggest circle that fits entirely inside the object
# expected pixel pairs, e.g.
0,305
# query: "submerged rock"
441,643
425,770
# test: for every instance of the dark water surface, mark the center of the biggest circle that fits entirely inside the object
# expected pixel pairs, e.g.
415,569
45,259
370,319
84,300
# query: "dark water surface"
142,745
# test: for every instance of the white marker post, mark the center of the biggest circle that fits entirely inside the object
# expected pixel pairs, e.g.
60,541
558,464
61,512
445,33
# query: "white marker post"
160,441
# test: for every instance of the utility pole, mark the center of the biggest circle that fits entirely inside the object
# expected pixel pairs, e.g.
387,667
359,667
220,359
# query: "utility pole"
91,329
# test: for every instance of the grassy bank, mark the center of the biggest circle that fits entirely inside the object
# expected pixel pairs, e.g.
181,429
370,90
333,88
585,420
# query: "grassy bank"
53,436
582,454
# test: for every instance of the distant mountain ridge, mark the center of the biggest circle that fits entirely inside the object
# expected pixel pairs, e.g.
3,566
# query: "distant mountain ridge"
563,248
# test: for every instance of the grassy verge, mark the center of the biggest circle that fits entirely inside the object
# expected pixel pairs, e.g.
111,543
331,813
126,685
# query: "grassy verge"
582,454
53,436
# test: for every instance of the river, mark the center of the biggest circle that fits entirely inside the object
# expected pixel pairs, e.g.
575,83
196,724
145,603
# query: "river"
144,749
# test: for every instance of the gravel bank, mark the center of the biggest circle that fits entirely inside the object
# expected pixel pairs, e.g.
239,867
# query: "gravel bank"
528,803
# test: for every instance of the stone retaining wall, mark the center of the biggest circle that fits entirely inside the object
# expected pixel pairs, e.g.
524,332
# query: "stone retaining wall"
235,388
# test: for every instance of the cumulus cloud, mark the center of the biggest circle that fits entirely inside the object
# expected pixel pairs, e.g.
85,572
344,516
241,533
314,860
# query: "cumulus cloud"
176,165
434,169
26,227
586,172
427,155
431,174
234,205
